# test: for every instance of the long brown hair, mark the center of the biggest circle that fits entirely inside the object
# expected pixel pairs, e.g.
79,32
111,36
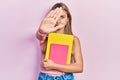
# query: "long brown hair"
68,28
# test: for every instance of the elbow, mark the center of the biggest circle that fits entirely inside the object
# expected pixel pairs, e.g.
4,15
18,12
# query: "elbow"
79,70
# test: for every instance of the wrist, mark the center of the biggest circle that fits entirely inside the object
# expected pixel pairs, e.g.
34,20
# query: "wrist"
55,65
42,30
41,33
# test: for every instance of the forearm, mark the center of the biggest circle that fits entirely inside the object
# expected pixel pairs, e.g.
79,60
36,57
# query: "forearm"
41,36
72,68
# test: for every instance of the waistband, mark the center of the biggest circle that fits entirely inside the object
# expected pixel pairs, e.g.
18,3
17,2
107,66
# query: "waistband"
64,76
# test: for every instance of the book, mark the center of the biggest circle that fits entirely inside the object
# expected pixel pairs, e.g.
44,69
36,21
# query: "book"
59,48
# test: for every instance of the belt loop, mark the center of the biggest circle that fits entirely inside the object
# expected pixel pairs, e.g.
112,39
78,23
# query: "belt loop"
45,76
64,77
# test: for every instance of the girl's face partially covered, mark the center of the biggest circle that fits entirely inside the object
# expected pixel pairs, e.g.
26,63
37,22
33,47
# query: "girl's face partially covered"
63,19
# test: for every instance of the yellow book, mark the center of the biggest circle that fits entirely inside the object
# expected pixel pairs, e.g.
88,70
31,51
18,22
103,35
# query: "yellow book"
59,48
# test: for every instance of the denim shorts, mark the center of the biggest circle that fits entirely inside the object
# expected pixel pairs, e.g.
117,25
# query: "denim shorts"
45,76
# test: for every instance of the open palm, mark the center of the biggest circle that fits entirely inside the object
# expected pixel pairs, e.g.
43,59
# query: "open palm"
49,22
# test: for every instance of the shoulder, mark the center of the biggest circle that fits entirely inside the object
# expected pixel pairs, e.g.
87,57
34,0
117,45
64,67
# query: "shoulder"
76,43
76,39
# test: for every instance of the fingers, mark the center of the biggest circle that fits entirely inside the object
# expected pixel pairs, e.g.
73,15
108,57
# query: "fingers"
55,13
58,27
49,14
45,60
57,16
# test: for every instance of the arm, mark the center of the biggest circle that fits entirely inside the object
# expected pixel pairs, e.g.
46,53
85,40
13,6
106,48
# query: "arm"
41,37
77,66
48,24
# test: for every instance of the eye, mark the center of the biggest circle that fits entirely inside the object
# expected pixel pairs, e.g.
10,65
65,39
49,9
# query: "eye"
61,16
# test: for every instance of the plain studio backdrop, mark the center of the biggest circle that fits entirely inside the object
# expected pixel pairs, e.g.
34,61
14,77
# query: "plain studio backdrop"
95,22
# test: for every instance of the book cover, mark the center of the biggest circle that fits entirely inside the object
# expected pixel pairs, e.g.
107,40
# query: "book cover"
59,48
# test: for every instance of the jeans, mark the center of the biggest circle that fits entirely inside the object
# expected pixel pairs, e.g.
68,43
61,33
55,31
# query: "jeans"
45,76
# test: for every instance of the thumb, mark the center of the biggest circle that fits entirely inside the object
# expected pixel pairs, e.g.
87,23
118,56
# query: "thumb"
59,27
45,60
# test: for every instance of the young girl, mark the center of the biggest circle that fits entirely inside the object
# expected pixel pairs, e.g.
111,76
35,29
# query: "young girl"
58,20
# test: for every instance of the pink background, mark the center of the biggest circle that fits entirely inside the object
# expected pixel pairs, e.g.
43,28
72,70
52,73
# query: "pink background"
95,22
